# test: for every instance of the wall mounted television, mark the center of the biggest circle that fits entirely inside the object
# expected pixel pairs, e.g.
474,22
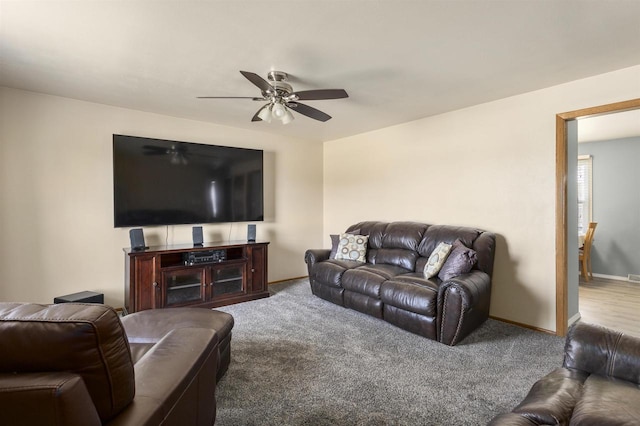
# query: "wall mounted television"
163,182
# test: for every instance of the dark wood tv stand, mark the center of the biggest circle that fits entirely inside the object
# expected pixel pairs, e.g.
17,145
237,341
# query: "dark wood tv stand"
163,276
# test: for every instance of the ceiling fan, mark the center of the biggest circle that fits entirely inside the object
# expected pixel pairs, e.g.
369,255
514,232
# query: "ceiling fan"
178,153
281,99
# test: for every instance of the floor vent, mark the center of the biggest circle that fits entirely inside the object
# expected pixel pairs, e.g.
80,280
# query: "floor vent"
634,278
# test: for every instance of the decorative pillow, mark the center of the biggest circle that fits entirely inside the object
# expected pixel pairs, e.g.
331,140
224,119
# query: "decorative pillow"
352,247
436,260
460,261
335,240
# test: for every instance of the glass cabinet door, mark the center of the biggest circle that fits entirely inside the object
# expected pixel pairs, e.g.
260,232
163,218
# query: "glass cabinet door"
227,279
183,286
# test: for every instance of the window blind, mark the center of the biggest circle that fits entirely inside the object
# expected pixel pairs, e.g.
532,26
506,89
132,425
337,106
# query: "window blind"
585,198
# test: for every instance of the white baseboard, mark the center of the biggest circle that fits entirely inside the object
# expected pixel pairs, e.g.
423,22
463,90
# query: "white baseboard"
611,277
574,318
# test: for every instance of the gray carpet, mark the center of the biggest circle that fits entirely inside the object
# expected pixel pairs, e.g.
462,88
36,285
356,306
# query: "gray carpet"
300,360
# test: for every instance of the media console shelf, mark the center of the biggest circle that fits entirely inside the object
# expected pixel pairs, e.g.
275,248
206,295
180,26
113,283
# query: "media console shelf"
208,276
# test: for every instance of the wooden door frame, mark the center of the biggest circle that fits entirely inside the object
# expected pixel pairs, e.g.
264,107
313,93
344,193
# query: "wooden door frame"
561,200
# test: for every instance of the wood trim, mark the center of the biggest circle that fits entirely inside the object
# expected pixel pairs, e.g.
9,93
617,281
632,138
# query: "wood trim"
561,226
287,279
530,327
561,199
601,109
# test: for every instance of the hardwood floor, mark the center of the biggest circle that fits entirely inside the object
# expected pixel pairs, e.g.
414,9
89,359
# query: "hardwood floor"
611,303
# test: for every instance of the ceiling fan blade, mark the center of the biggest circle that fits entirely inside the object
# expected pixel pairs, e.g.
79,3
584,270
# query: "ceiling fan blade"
308,111
229,97
154,150
258,81
312,95
255,117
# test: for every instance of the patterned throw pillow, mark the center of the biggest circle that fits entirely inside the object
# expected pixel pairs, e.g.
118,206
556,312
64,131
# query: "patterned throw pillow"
460,261
335,240
352,247
436,260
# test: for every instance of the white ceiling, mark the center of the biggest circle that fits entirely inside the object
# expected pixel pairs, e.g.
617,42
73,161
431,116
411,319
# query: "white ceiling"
398,60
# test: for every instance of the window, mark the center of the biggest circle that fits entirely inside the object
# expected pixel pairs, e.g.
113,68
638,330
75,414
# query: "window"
584,193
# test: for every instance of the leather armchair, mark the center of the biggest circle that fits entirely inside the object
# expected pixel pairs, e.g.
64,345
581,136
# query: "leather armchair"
598,384
71,364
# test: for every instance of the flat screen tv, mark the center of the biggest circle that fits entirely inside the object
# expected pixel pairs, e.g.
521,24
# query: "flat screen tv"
162,182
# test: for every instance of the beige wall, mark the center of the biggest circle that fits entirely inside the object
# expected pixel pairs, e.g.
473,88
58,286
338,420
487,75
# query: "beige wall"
490,166
56,205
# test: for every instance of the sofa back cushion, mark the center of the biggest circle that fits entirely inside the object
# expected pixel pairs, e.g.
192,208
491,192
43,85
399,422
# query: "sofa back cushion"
602,351
409,244
393,243
437,234
85,339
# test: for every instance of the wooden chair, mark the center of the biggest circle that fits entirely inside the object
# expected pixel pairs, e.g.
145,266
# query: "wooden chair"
584,252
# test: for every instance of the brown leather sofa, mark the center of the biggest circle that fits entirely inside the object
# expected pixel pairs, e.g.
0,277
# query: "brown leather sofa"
598,383
391,284
79,364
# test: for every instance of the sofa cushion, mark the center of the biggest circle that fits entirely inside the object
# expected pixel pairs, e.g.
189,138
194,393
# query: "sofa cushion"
460,261
405,259
552,398
46,398
393,243
86,339
603,351
363,281
367,278
411,292
352,247
330,271
607,401
437,234
436,260
403,235
374,230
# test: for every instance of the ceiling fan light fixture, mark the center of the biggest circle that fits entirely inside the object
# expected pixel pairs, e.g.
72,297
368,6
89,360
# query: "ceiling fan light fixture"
288,117
265,113
279,111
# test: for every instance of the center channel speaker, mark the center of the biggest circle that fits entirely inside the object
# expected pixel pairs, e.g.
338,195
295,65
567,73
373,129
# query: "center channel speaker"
251,233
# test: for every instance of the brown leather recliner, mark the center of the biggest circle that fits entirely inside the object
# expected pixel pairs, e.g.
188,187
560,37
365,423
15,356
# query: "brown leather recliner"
79,364
391,284
598,384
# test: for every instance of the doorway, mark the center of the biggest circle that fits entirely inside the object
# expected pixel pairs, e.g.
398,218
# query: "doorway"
563,123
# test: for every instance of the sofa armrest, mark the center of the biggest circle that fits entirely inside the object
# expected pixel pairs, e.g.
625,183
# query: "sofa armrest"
552,398
55,398
314,256
549,402
175,381
599,350
463,304
512,419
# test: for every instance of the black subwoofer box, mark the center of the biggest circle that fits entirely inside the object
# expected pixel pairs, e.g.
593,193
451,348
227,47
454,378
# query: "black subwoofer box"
82,297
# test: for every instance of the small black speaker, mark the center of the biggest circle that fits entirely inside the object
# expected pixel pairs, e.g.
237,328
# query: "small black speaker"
251,233
137,239
197,235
